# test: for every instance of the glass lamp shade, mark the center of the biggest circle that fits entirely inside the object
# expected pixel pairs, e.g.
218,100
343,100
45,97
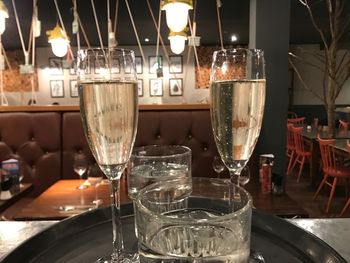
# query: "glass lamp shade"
2,23
177,43
59,46
3,15
176,15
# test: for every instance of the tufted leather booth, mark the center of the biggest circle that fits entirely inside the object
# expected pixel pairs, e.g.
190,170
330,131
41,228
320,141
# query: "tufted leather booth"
34,139
46,142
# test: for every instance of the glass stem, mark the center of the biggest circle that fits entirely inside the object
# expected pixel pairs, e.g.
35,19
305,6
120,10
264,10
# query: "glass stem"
118,245
234,178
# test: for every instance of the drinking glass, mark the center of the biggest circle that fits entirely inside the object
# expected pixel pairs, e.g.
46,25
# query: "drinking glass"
153,163
109,111
211,228
237,94
80,166
95,177
218,165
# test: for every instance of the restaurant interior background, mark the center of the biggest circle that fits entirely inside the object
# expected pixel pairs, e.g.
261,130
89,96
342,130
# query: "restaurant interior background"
243,23
235,22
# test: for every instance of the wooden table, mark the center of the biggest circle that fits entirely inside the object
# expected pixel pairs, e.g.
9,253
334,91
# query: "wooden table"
48,206
311,135
24,189
62,200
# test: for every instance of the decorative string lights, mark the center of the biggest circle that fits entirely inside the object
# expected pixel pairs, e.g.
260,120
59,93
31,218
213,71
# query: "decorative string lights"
58,40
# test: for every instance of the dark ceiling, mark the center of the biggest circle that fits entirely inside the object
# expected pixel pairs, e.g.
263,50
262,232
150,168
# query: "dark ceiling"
234,17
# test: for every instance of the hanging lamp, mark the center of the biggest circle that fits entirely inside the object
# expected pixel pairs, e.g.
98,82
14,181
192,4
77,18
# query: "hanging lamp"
177,41
176,13
58,40
3,15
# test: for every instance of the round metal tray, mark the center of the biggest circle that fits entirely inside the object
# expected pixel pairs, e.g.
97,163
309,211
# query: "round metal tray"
87,237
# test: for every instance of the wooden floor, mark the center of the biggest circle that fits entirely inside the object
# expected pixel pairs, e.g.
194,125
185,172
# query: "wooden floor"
302,192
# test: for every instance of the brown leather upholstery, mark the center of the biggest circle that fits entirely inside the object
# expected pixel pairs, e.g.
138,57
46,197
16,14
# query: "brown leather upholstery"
34,139
74,142
189,128
46,142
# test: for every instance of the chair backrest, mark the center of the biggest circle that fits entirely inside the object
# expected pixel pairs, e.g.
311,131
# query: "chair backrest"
298,138
296,121
328,155
291,115
343,125
290,137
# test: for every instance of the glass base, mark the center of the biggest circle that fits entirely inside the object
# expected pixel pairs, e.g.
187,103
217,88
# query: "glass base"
97,202
124,258
256,257
82,187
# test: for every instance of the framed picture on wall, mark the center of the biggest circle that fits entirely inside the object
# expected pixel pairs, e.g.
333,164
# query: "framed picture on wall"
55,65
139,65
156,87
175,87
73,68
155,62
140,87
56,88
73,85
175,64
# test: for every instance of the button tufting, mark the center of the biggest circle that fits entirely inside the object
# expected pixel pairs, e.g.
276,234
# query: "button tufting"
33,166
205,148
158,136
189,136
32,139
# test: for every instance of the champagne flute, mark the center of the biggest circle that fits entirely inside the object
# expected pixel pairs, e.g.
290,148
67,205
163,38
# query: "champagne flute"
244,176
237,93
237,90
80,166
109,111
218,165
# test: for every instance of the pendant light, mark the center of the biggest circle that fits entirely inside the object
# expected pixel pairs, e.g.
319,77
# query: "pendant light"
177,41
58,40
176,13
3,15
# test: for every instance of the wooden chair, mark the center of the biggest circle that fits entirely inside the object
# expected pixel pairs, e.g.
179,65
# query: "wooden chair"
331,169
348,202
343,125
290,149
303,150
296,121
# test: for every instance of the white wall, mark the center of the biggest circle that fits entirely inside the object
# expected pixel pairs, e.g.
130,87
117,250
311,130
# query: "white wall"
190,94
313,78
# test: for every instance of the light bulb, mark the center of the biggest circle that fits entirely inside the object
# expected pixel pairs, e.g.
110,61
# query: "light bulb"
59,46
177,43
2,23
3,15
177,15
59,41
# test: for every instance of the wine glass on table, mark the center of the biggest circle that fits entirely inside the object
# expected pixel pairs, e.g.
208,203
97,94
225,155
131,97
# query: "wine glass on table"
218,165
237,99
95,177
80,166
109,111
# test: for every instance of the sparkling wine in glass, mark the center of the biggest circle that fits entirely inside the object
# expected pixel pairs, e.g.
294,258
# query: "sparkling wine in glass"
237,91
80,166
237,99
109,111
